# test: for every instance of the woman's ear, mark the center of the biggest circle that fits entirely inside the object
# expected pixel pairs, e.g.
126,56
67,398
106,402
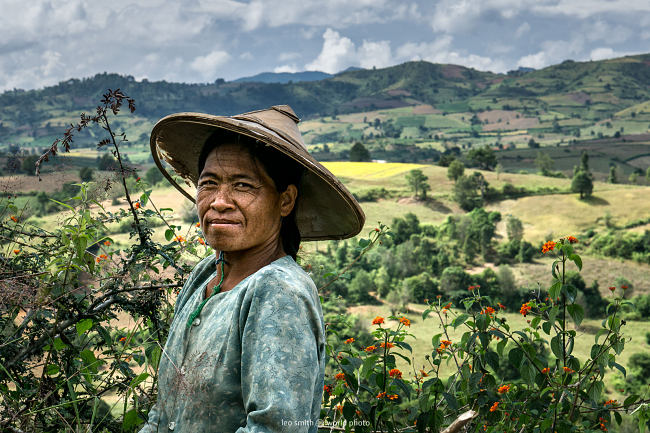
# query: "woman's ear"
288,200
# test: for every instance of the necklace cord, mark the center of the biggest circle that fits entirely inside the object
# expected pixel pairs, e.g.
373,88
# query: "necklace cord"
215,290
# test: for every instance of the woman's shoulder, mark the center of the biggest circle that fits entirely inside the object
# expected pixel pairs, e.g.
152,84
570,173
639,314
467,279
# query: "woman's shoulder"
284,273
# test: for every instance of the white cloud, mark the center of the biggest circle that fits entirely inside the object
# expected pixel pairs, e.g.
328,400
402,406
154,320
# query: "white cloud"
537,60
441,51
601,53
377,54
286,68
209,64
337,53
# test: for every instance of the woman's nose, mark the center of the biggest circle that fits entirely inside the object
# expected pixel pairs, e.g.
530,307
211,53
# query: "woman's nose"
222,199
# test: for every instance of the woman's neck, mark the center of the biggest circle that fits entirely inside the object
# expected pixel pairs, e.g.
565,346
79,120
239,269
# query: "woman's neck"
241,264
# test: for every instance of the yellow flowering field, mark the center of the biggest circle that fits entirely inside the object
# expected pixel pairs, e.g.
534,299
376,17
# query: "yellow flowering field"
370,170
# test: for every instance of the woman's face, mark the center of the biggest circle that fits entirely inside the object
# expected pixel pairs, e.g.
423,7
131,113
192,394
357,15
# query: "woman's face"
238,205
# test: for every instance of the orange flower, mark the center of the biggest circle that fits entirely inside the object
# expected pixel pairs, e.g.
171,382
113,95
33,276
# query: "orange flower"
471,288
624,287
612,288
405,321
378,320
501,306
14,219
612,402
376,229
179,239
381,395
395,373
339,376
137,205
494,407
339,408
370,349
392,396
107,242
16,251
122,339
138,179
201,241
388,345
327,389
101,257
567,370
488,310
423,373
503,389
446,307
572,239
349,340
198,224
545,370
446,342
525,309
548,246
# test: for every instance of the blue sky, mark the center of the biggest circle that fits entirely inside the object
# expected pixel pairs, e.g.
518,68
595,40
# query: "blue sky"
45,42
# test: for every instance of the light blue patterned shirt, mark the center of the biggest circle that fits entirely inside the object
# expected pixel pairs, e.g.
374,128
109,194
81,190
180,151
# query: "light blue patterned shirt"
253,361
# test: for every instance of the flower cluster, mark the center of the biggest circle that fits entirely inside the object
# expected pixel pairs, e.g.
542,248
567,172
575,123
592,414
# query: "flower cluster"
572,239
339,376
545,370
444,344
568,370
378,320
101,258
503,389
388,345
525,309
370,349
349,340
548,246
471,288
179,239
488,310
395,373
404,321
494,407
601,423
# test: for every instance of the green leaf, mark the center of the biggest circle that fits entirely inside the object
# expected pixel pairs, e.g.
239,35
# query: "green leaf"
630,400
169,234
599,333
451,400
139,379
595,391
554,290
426,313
363,243
577,260
88,358
546,326
51,369
83,326
535,322
59,344
368,363
493,360
131,420
556,347
619,367
459,320
144,198
515,356
576,312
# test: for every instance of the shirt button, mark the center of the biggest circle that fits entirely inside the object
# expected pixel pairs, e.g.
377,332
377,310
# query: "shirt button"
196,322
172,425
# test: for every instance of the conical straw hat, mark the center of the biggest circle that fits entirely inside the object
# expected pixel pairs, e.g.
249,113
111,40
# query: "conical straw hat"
326,209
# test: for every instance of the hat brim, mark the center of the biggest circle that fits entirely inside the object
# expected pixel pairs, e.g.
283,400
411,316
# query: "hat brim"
326,209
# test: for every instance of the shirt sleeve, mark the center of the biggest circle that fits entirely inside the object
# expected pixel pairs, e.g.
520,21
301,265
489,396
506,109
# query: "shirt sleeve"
282,339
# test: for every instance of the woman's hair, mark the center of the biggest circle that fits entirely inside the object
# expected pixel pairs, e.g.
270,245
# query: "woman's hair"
283,170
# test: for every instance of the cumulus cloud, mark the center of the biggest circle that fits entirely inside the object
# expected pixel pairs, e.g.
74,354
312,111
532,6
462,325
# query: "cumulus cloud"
441,51
339,52
286,68
209,64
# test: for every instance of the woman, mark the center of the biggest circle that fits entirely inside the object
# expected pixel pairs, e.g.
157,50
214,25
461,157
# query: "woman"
246,348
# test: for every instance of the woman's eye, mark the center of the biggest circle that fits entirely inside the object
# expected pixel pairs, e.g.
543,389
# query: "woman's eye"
207,182
243,185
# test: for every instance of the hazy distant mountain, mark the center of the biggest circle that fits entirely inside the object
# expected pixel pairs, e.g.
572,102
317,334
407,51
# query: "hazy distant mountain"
284,77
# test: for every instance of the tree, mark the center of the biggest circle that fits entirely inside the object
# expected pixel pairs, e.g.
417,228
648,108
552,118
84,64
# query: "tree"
514,228
106,162
455,170
359,152
466,193
584,161
483,157
153,176
86,174
633,177
612,175
533,144
582,184
28,165
647,175
544,163
418,183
